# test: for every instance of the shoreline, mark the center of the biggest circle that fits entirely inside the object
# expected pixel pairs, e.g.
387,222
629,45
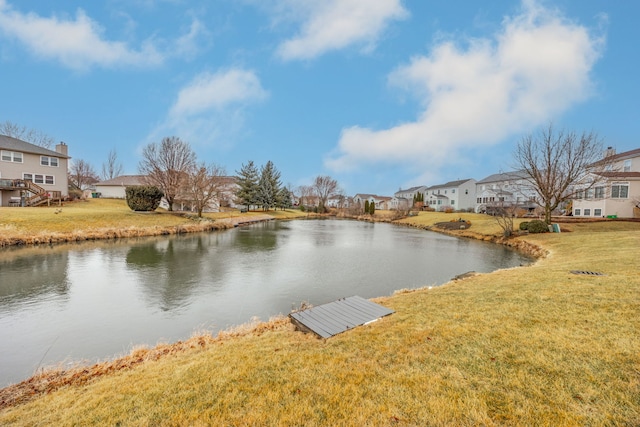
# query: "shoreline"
52,378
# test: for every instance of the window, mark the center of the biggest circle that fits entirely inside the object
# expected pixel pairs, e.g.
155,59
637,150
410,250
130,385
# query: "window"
479,200
599,192
466,191
49,161
453,191
597,212
453,202
627,166
27,177
38,179
579,194
48,179
11,156
576,212
589,194
587,212
620,190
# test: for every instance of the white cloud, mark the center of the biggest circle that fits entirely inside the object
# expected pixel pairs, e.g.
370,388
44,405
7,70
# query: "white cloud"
208,92
79,43
210,109
534,69
335,24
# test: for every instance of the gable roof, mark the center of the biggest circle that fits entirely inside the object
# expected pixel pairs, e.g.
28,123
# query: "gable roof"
124,180
450,184
505,176
14,144
625,155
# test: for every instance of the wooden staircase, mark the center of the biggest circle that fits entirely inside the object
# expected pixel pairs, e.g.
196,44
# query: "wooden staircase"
39,196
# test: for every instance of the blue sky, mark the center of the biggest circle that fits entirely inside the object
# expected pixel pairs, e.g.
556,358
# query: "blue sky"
378,94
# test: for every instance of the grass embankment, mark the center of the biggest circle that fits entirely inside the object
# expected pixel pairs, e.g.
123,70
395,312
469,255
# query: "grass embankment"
108,218
534,345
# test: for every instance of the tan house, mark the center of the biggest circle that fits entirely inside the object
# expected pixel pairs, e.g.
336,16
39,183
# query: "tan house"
31,175
618,194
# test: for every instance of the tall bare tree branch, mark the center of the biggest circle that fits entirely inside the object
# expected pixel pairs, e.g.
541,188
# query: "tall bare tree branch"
23,133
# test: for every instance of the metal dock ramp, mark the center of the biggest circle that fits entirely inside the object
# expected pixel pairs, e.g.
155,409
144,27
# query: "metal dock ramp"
330,319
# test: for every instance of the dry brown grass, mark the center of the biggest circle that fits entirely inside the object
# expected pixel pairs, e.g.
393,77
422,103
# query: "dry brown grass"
525,346
94,219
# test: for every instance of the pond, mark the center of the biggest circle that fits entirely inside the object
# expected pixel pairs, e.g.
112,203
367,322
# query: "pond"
94,301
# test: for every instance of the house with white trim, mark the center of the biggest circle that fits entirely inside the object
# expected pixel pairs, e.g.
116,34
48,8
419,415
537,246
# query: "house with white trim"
457,195
508,189
618,194
381,202
31,175
403,199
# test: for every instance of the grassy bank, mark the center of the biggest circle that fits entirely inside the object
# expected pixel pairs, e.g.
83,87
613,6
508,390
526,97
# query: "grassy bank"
108,218
534,345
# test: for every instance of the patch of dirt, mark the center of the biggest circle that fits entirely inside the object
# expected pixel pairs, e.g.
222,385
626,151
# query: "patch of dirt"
452,225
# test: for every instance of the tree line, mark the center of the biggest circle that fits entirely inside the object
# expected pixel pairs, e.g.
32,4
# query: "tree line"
557,165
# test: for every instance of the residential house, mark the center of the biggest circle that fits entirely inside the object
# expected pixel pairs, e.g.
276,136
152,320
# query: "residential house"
509,189
618,194
381,202
457,195
31,175
403,199
115,188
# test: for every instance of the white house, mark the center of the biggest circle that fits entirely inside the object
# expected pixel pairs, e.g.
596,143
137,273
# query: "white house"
381,202
31,175
403,199
115,188
456,195
505,189
618,194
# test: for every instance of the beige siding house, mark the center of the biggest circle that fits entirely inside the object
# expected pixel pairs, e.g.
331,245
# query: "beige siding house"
115,188
619,193
31,175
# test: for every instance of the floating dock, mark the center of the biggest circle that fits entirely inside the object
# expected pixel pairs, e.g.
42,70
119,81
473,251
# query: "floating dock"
330,319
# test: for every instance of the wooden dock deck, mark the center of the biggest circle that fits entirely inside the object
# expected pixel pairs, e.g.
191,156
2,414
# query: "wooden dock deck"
330,319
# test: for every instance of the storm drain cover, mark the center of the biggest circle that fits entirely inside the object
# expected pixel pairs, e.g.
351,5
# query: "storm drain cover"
588,273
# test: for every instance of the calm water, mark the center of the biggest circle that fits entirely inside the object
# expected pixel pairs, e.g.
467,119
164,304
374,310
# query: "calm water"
94,301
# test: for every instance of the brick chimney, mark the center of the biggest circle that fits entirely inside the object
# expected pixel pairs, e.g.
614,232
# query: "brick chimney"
62,148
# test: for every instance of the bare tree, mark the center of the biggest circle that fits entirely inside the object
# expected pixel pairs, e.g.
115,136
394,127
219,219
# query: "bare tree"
112,168
558,164
204,185
32,136
324,187
167,165
82,174
306,193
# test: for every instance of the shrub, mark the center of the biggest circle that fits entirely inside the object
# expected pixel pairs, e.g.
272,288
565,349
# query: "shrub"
524,225
143,198
537,226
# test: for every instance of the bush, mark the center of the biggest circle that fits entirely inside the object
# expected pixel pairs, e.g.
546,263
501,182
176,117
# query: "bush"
524,225
143,198
537,226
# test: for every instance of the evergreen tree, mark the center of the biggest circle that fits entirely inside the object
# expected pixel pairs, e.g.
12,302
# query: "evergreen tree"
366,206
372,208
247,179
269,186
285,199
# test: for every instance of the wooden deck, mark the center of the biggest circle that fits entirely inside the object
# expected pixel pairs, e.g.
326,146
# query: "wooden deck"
335,317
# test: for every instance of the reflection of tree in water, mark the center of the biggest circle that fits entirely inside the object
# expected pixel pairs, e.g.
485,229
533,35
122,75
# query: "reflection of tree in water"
248,240
171,270
39,276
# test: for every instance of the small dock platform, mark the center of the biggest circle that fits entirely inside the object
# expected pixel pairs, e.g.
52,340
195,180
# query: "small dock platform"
330,319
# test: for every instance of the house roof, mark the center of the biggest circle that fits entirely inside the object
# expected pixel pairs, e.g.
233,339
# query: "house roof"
450,184
14,144
123,180
412,189
625,155
620,174
505,176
